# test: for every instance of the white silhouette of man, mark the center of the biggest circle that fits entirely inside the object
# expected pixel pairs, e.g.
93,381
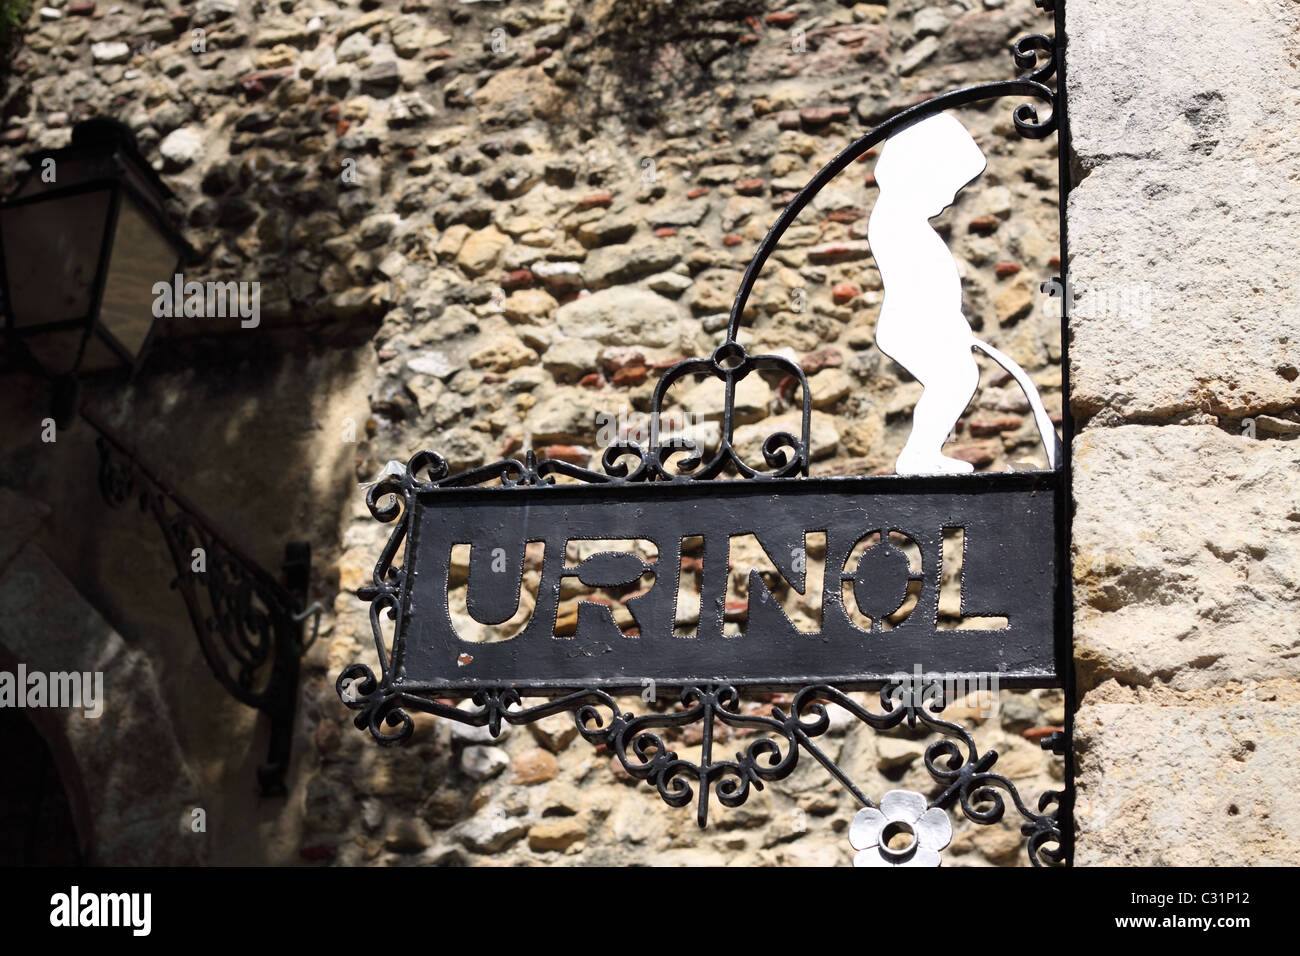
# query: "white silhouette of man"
921,324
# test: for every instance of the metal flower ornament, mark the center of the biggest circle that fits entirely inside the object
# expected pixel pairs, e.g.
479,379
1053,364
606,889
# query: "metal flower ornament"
902,832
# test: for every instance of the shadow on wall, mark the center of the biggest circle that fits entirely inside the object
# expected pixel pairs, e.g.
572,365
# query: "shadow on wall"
661,50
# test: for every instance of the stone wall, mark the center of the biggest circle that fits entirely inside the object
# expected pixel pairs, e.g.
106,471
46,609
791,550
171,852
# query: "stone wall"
501,220
1187,472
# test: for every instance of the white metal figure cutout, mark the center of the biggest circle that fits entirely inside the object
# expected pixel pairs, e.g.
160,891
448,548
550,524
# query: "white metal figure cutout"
921,326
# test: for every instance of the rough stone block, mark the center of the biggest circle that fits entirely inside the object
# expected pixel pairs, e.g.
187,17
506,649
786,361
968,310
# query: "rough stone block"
1178,779
1185,232
1186,556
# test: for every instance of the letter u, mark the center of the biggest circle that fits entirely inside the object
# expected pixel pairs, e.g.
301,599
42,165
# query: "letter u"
496,573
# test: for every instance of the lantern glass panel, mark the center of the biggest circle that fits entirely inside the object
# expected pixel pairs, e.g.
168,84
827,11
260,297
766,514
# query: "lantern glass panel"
142,256
52,249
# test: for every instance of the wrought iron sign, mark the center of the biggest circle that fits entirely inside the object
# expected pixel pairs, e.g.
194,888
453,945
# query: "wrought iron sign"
874,548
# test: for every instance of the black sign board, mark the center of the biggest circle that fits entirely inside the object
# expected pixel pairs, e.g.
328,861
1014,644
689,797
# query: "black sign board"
1007,577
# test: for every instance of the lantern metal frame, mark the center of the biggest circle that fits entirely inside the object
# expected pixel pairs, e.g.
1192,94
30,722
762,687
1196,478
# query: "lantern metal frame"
125,175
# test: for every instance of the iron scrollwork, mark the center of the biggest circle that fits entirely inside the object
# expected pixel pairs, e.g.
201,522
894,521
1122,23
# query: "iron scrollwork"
249,625
963,775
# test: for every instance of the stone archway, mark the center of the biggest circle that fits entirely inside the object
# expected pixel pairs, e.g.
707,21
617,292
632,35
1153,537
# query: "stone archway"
128,785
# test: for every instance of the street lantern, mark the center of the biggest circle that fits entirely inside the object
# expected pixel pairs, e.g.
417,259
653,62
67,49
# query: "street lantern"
83,240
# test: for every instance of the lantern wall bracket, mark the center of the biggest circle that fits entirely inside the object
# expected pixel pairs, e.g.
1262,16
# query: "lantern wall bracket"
248,623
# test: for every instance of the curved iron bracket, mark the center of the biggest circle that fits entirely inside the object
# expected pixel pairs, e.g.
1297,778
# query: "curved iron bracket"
248,624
